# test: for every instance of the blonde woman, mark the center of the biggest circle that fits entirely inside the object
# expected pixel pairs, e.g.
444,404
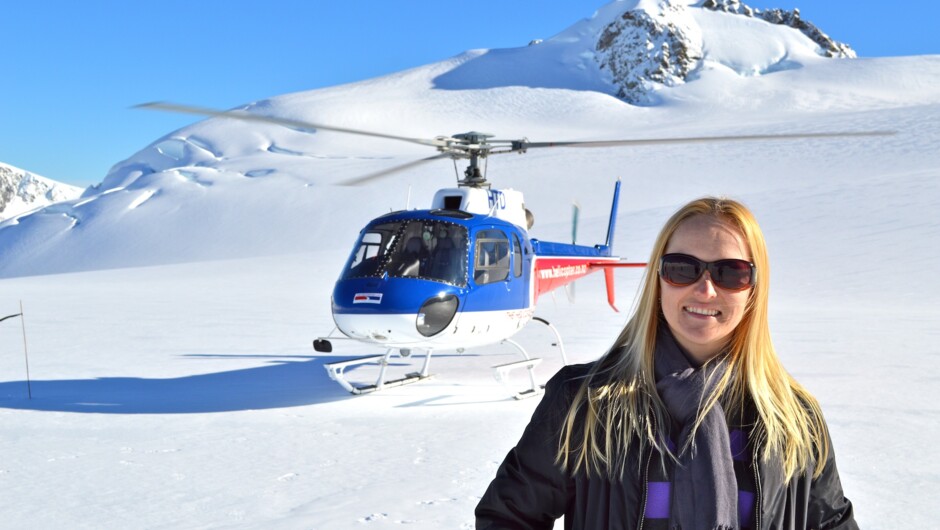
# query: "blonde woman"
689,421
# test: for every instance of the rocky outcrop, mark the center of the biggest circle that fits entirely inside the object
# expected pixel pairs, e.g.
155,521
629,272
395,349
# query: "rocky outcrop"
827,46
21,191
660,44
641,50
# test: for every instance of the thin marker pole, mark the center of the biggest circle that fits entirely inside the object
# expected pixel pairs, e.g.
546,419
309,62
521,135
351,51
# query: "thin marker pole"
29,386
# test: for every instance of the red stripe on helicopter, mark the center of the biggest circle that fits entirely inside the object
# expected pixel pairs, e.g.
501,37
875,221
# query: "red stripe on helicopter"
367,298
552,273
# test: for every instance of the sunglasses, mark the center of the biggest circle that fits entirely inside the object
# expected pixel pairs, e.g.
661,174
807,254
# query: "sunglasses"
729,274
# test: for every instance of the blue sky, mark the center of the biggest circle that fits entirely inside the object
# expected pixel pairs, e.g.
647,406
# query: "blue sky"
72,69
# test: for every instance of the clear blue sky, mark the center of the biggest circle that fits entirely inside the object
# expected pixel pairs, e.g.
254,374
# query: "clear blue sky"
72,69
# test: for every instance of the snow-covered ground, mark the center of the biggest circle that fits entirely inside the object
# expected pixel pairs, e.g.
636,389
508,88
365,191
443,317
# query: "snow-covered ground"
184,392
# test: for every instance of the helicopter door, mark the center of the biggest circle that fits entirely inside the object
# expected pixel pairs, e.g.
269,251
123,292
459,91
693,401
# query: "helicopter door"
521,262
494,273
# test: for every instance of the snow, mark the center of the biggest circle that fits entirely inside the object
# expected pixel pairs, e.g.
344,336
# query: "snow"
751,52
169,313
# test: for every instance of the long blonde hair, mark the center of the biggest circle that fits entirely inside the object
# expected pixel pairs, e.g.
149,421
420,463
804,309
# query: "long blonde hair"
617,405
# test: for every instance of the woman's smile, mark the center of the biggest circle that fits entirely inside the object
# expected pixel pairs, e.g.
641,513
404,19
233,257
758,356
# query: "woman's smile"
702,311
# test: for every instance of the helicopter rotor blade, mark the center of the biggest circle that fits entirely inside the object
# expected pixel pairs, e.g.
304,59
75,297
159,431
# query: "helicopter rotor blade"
523,145
247,116
474,146
385,172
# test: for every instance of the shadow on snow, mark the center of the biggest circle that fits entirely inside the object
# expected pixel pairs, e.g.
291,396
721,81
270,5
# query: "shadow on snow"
288,381
514,67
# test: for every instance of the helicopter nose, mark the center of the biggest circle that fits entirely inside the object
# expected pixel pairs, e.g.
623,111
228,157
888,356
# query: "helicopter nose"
396,312
390,330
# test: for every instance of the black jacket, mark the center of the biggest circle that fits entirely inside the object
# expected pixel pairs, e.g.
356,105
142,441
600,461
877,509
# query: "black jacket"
530,491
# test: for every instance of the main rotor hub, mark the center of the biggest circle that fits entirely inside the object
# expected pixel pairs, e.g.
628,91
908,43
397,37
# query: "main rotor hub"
473,137
472,146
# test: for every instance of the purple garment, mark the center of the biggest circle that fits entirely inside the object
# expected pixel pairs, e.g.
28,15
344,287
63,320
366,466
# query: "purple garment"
703,476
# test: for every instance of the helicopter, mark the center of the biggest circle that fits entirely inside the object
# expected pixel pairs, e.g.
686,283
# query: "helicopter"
464,272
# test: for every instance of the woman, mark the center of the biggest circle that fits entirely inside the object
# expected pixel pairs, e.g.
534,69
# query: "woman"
689,421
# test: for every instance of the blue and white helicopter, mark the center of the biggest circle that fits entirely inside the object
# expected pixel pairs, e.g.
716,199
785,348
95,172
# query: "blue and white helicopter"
465,272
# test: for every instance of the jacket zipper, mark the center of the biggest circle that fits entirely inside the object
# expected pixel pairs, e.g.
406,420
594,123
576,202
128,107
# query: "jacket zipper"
757,496
646,491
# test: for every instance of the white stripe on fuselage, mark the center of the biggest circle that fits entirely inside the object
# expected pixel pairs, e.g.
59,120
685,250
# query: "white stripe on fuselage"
469,329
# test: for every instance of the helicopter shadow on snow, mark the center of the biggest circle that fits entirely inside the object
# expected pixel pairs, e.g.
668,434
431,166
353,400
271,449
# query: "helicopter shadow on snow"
283,381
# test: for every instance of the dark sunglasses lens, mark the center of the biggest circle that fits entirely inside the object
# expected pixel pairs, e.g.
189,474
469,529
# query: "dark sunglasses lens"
732,274
680,270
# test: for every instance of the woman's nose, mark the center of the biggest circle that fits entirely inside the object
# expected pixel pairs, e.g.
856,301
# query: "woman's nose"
706,286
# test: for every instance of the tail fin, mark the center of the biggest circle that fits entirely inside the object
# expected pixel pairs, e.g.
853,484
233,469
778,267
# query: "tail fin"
609,273
612,224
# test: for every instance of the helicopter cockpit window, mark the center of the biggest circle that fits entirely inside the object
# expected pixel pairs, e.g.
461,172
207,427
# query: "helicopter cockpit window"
430,250
517,250
371,249
492,257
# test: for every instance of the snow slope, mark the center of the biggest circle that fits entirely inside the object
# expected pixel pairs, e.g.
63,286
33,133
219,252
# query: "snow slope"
184,392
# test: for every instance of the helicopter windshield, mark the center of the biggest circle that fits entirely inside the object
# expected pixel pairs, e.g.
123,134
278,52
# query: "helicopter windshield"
426,249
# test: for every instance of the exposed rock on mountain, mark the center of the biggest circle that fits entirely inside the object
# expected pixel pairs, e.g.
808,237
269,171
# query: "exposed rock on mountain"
828,46
21,191
641,49
660,44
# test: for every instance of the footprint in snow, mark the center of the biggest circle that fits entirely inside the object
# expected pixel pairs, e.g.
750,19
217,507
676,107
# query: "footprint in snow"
373,517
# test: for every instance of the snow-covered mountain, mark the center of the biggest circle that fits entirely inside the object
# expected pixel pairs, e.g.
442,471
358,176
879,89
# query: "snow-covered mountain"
22,191
222,188
659,44
187,395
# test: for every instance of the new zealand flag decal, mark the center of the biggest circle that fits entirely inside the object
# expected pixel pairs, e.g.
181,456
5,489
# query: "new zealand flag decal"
367,298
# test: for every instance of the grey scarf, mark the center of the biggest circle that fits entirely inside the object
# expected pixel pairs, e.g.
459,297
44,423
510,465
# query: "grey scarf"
704,487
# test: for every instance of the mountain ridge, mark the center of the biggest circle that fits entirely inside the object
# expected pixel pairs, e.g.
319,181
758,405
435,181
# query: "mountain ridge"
661,44
22,191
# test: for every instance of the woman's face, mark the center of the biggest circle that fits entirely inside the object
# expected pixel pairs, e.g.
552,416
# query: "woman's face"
702,316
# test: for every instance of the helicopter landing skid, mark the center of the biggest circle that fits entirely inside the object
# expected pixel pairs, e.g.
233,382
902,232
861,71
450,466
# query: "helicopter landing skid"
336,372
501,372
